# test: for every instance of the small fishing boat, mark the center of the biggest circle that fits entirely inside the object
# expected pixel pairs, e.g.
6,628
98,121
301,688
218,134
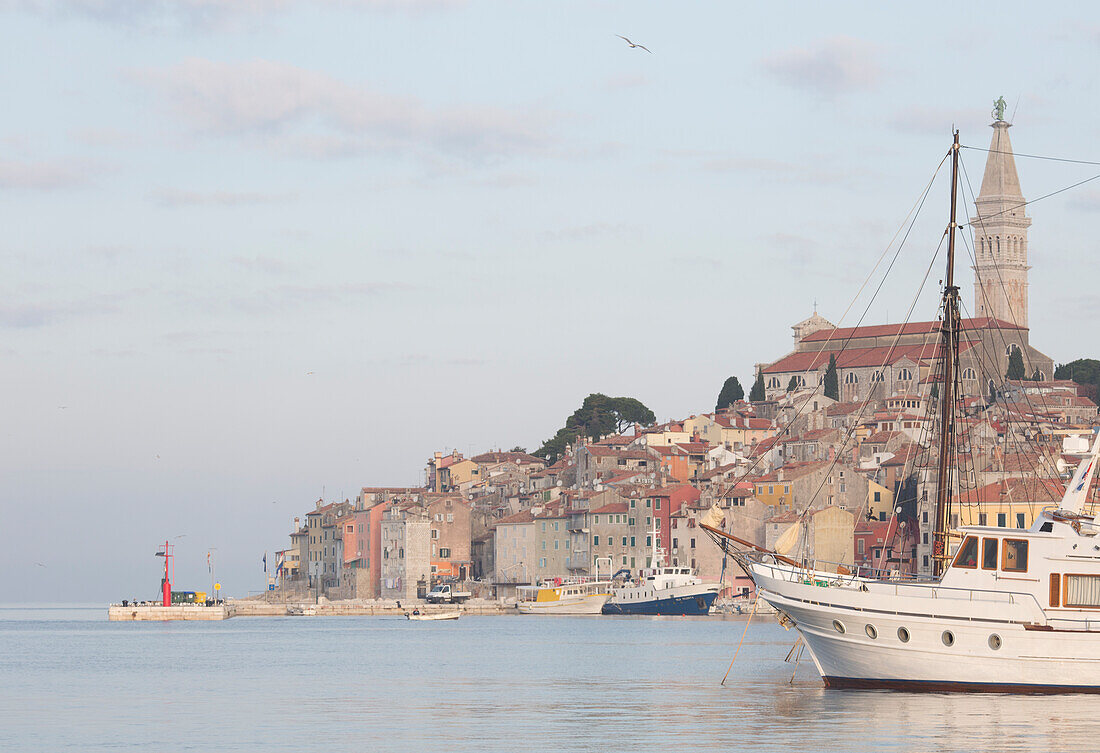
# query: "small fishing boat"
433,616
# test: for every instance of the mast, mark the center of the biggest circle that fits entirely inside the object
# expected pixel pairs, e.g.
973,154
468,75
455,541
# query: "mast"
950,344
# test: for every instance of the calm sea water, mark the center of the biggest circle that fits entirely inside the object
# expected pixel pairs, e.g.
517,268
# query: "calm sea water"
73,681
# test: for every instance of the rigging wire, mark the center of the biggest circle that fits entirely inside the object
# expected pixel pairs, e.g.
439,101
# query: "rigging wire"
1032,156
1004,290
913,213
1033,201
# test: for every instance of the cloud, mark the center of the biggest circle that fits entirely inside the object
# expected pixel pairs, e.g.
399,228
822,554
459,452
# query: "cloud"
1085,201
934,120
283,297
41,314
309,113
41,176
265,264
173,198
831,67
583,232
204,13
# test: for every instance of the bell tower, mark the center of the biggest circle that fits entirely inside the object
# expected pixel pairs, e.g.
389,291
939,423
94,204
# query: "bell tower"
1000,228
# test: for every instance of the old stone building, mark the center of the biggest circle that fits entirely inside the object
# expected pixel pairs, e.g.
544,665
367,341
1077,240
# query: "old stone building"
877,361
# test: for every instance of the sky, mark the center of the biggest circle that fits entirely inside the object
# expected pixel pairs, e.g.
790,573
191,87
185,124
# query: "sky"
259,252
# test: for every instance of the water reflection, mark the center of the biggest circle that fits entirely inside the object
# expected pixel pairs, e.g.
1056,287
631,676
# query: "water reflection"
478,684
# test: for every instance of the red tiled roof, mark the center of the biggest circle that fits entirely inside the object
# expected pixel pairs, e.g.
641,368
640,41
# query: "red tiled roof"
861,358
523,516
912,328
613,507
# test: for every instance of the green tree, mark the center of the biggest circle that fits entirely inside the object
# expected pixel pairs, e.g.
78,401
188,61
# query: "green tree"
1037,376
598,416
730,393
792,385
756,394
517,448
832,384
1015,365
1085,372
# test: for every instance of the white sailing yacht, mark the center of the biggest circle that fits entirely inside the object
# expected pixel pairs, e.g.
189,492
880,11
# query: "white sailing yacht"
1011,611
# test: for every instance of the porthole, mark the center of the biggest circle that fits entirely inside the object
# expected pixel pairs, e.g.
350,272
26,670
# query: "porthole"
948,638
838,626
872,631
995,641
903,635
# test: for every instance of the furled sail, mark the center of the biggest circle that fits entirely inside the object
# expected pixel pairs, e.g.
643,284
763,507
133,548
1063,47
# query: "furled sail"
714,517
1078,490
788,540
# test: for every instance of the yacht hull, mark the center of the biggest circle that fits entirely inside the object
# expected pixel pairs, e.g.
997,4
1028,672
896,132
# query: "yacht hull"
868,639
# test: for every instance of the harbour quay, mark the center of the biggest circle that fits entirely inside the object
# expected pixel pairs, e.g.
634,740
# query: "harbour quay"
148,612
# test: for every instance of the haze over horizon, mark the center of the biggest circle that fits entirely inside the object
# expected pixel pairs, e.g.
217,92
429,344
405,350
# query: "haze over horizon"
259,252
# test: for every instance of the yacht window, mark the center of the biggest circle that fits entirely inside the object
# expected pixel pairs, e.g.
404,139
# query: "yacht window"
989,554
1014,558
1083,590
968,553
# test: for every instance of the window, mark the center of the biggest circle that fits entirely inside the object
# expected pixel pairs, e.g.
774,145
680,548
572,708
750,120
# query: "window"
632,541
970,375
596,520
989,554
630,522
595,541
878,496
1002,520
876,376
632,505
555,544
658,523
450,517
773,383
904,375
1014,556
648,521
444,552
1020,520
649,541
675,543
693,545
982,518
544,545
624,540
851,378
435,533
657,504
1081,590
860,546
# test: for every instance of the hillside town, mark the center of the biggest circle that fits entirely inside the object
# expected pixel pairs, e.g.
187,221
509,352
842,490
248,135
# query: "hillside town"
835,438
844,470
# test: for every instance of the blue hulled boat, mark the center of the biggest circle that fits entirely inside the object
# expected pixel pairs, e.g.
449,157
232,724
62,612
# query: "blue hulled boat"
663,590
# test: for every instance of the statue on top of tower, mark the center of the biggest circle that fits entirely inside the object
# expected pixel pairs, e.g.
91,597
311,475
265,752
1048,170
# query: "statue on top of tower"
999,108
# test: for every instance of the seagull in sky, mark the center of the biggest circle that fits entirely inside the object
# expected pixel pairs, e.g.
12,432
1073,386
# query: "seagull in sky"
308,373
39,564
62,407
639,46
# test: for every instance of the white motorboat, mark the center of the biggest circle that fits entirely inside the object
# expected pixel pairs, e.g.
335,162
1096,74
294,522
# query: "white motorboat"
577,596
429,616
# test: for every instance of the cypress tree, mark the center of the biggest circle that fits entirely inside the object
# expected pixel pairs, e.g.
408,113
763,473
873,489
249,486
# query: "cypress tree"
756,394
1015,365
731,392
832,385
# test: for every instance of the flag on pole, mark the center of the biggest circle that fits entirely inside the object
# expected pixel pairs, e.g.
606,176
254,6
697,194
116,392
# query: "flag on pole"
265,562
208,563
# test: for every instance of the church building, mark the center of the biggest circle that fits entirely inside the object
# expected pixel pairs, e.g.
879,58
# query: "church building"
878,361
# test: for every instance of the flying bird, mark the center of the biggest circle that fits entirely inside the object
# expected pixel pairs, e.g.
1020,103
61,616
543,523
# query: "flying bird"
62,407
308,373
39,564
639,46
